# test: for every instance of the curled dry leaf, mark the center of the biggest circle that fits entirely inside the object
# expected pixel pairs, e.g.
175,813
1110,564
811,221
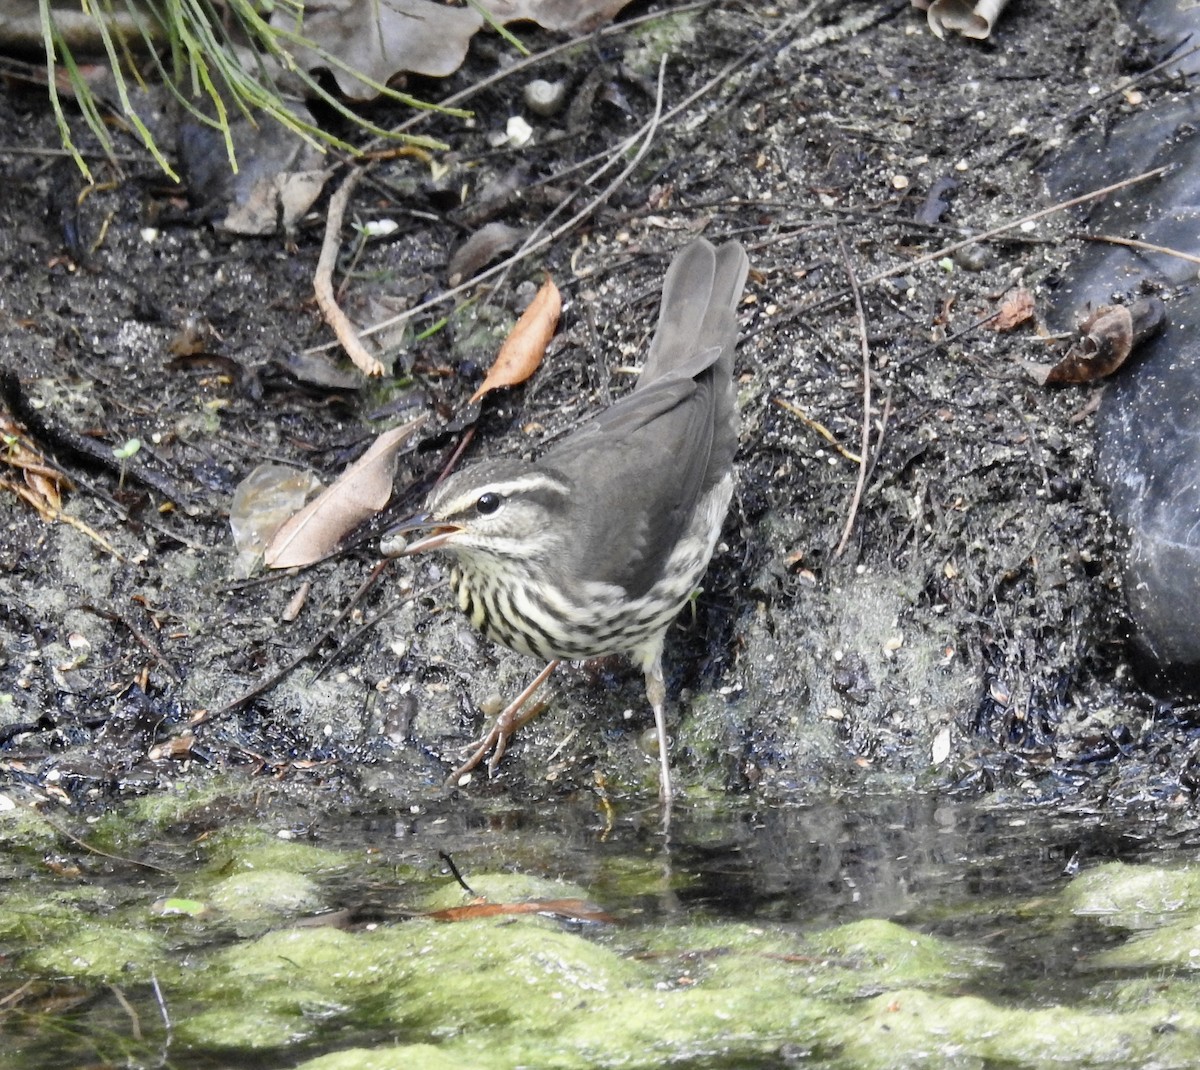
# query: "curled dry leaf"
1109,335
357,494
1016,310
261,503
524,348
971,19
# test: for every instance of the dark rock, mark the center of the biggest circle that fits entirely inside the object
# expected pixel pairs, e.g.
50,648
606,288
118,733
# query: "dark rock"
1150,459
1150,421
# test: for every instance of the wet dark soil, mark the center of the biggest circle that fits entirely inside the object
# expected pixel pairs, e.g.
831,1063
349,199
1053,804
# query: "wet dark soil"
969,637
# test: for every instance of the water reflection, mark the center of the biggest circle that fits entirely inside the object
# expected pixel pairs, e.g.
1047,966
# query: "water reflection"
816,863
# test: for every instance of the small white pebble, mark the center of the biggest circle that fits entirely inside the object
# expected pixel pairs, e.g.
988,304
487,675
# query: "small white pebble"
518,133
379,228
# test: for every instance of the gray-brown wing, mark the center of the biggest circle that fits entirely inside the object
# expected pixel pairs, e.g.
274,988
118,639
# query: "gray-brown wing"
640,468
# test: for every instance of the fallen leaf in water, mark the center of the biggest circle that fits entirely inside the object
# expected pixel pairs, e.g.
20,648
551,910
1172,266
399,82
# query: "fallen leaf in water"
524,348
357,494
570,909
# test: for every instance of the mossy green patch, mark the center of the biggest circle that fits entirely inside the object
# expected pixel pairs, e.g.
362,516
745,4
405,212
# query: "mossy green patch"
1134,897
264,894
424,978
24,836
246,849
501,888
1171,947
408,1057
102,949
911,1028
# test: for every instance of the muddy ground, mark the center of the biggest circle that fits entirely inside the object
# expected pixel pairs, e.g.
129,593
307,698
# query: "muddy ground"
971,636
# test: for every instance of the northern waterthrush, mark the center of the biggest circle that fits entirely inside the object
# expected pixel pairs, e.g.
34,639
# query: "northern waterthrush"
594,548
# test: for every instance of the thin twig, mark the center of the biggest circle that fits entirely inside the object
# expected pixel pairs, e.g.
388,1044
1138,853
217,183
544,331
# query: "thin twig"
83,845
456,456
531,61
536,242
269,682
818,427
135,1023
864,452
154,650
367,625
1061,206
160,999
1090,107
646,133
323,280
804,310
1145,246
884,417
457,874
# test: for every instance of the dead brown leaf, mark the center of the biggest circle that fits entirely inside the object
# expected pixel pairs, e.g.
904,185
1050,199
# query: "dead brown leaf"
379,40
41,486
570,16
1108,336
357,494
571,909
524,348
480,249
382,39
1016,310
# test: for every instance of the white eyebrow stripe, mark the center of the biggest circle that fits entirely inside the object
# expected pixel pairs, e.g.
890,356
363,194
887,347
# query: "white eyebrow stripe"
509,488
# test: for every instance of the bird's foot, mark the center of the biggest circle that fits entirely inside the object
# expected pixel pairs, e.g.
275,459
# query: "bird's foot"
507,722
497,737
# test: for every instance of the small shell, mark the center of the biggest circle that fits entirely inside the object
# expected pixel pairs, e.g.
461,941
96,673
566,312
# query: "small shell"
545,98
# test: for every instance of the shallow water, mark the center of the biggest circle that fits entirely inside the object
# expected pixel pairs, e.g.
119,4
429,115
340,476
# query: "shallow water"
964,933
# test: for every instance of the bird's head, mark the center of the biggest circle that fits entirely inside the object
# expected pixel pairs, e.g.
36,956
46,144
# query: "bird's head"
489,513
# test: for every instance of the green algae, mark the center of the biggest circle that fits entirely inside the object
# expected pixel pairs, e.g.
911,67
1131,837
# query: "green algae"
1172,947
247,849
500,888
264,894
1134,897
25,836
910,1028
240,975
103,950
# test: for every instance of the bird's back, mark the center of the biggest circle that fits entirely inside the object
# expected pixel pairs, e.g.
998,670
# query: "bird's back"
646,467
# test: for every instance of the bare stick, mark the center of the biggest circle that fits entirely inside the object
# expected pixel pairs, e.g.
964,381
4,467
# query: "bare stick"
526,62
865,450
323,280
135,1022
646,132
1145,246
1061,206
535,243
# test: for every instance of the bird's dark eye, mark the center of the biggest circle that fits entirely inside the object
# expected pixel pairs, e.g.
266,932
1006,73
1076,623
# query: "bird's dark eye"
488,503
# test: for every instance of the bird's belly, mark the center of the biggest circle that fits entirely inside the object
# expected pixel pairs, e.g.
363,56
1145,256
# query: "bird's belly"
547,625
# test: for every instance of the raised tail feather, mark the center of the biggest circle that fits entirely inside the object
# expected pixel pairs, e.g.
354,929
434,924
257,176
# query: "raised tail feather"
699,308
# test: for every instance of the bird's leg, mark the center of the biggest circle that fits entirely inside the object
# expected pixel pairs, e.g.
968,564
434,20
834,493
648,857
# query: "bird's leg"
656,692
507,722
